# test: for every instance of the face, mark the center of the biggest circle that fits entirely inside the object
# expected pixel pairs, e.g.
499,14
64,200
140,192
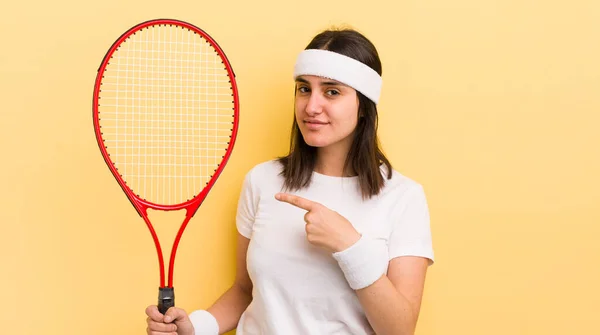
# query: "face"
326,112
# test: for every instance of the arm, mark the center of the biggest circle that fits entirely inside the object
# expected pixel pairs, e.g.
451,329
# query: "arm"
393,302
226,311
229,307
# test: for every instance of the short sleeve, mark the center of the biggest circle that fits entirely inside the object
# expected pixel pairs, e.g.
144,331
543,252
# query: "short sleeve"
246,207
411,232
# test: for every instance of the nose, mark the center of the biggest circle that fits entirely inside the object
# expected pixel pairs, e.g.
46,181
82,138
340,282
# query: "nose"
314,105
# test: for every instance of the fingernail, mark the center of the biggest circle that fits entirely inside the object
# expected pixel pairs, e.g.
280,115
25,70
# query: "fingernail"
277,196
167,319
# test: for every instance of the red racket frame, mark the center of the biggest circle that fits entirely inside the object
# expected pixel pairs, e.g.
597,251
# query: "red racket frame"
139,204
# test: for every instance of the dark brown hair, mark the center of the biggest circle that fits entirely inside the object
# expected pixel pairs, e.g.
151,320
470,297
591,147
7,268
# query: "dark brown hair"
365,156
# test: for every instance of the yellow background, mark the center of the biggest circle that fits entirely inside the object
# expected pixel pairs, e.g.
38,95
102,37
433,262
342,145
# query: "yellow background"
493,106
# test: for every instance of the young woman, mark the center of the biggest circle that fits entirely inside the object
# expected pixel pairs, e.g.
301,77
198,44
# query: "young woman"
331,240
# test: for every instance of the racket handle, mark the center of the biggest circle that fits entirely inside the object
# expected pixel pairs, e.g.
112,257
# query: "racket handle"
166,299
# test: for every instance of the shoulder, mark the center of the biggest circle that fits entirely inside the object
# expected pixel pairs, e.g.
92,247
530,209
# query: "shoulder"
401,187
264,175
268,169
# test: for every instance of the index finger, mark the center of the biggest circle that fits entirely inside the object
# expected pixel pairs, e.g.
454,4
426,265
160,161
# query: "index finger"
296,201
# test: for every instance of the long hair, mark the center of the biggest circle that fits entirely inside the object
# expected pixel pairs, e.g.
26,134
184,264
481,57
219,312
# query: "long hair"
365,156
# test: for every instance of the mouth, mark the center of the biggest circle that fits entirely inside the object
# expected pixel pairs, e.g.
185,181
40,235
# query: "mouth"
314,124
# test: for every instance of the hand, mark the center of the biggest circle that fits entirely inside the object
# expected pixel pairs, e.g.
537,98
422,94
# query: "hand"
174,322
324,228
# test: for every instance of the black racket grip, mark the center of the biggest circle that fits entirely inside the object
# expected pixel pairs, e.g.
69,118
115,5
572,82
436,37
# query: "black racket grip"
166,299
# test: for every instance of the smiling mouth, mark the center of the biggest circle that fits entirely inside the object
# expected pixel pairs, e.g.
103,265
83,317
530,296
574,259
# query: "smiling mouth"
314,125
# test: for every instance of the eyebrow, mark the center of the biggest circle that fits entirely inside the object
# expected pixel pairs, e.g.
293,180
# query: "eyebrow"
327,83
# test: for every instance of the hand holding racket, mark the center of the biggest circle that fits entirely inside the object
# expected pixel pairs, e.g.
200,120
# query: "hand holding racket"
165,113
175,320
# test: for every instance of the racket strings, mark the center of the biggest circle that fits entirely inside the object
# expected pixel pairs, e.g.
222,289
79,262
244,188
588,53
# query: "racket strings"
166,111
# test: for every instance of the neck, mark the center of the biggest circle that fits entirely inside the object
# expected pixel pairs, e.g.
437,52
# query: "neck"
331,160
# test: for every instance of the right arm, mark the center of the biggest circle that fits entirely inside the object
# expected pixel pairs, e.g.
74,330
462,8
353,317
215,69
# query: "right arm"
227,310
229,307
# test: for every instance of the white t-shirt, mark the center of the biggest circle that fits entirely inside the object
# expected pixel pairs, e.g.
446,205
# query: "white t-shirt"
298,288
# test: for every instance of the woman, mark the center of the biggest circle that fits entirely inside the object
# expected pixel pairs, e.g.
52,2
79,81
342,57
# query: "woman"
331,239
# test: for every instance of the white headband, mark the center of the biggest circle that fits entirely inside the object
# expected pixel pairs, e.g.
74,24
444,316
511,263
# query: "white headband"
338,67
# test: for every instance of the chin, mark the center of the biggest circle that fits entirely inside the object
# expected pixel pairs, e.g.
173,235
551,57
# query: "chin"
316,141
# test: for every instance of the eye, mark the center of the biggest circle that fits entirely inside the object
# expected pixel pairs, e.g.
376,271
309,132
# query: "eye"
332,92
302,90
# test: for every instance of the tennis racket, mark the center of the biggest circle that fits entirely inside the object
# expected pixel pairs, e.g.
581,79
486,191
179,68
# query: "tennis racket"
166,114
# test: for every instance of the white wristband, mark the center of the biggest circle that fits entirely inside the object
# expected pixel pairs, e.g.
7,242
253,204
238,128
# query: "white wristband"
364,262
204,323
